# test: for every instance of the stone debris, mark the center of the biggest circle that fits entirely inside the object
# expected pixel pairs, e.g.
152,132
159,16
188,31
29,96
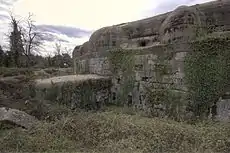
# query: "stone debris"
17,117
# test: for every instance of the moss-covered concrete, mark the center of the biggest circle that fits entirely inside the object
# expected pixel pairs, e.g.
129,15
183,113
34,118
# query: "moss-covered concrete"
75,91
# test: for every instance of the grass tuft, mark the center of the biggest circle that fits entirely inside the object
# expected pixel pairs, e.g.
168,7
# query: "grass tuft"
117,132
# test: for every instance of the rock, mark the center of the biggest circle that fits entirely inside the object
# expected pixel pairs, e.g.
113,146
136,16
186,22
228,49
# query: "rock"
17,117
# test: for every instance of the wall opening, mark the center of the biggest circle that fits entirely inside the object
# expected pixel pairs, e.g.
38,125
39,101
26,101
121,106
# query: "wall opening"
144,78
114,43
142,43
214,109
226,96
139,67
118,80
114,96
140,99
130,100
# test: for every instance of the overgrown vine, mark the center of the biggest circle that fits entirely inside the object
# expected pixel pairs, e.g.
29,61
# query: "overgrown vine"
207,72
162,92
122,67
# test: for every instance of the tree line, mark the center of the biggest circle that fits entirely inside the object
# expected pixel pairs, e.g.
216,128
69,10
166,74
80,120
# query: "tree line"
25,41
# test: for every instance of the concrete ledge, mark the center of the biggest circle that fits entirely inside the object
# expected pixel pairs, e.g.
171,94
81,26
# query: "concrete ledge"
46,83
75,91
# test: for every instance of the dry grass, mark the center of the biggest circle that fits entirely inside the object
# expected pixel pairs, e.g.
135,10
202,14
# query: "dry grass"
113,131
8,72
117,132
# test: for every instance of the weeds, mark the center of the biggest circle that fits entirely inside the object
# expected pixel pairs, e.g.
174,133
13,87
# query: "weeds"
117,132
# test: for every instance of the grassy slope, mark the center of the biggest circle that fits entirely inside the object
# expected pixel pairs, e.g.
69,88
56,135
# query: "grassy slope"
111,131
117,132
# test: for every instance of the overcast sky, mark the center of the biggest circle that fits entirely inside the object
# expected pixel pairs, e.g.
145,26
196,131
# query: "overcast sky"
72,21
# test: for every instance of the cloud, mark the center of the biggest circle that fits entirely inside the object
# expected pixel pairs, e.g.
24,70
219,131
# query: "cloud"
50,37
69,37
7,2
169,5
84,14
58,23
3,8
65,30
4,17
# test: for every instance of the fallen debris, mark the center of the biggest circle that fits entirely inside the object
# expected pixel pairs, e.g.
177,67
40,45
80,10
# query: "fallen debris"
17,117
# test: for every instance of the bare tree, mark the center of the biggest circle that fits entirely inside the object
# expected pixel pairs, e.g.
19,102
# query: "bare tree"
68,51
16,44
57,48
2,58
25,39
57,56
31,38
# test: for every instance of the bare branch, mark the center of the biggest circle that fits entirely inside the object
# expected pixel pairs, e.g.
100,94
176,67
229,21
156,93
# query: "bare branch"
28,35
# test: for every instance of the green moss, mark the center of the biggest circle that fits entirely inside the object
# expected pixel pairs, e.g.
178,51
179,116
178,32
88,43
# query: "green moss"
207,72
122,66
82,94
165,93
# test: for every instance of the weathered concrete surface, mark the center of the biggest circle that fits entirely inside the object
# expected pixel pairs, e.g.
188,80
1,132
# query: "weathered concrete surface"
223,109
76,91
17,117
182,24
46,83
163,36
178,27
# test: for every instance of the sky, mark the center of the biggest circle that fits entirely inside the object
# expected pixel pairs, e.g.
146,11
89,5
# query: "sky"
71,22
